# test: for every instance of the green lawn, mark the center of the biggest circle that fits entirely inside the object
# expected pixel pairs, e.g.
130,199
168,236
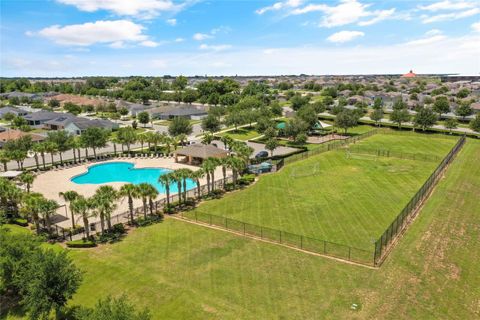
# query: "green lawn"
183,271
330,197
243,134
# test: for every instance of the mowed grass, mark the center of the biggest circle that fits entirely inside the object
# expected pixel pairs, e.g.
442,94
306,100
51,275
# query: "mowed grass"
243,134
183,271
330,197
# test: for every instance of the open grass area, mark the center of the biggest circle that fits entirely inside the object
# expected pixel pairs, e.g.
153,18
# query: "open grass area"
330,197
183,271
243,134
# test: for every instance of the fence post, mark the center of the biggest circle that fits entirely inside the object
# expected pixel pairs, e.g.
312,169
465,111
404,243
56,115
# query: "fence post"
244,228
280,231
261,232
301,242
324,247
349,252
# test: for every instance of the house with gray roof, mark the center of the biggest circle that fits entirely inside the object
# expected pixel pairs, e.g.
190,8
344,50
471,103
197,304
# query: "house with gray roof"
133,108
38,119
78,125
184,111
15,111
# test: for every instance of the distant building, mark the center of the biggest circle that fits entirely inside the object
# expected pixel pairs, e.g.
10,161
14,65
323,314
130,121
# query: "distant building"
38,119
10,135
184,111
409,75
15,111
78,125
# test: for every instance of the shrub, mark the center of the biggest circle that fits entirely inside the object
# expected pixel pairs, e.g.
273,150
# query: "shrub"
246,179
142,222
20,222
81,244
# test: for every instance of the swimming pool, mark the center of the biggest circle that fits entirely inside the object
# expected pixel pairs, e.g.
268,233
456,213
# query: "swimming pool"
126,172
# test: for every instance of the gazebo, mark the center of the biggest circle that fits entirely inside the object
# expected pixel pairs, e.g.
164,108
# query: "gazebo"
196,153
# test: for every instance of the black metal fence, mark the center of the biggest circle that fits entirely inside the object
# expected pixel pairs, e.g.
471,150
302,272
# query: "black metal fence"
124,217
383,244
317,246
332,145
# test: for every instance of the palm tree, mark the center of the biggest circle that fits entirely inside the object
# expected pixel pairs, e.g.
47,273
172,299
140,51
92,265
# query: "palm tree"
31,206
4,159
76,145
27,180
51,147
224,163
35,150
47,209
141,138
152,195
209,165
129,191
167,141
146,191
182,138
81,207
165,180
103,202
197,175
177,177
156,138
68,197
185,174
227,140
208,138
236,164
41,148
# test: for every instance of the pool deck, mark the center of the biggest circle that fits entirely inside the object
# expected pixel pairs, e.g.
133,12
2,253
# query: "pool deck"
51,183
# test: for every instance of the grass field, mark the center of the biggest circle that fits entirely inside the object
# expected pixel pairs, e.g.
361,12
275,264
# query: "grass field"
330,197
183,271
242,134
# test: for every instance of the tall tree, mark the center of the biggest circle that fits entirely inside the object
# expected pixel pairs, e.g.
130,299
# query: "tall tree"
129,191
441,105
81,207
95,138
144,118
165,180
345,120
179,125
425,118
27,179
62,139
68,197
400,116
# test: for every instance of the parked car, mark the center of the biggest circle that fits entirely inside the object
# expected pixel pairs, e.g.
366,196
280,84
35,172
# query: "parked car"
261,154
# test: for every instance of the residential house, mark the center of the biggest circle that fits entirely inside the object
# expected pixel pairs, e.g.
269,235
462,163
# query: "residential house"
173,111
10,135
15,111
78,125
38,119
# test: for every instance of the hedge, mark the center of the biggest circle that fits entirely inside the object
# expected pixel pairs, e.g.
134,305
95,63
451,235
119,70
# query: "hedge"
81,244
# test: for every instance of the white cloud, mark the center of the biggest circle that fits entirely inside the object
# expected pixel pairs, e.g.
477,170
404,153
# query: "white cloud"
201,36
280,5
345,36
115,33
433,32
179,40
219,47
159,63
346,12
476,26
139,8
149,43
379,15
448,5
450,16
431,36
172,22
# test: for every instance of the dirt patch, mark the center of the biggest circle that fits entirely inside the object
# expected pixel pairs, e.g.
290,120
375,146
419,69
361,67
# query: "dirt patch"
79,100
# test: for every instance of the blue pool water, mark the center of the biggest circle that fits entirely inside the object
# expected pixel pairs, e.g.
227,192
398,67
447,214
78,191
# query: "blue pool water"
125,172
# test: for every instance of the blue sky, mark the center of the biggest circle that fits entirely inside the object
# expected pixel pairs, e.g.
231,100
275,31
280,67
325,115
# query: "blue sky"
195,37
